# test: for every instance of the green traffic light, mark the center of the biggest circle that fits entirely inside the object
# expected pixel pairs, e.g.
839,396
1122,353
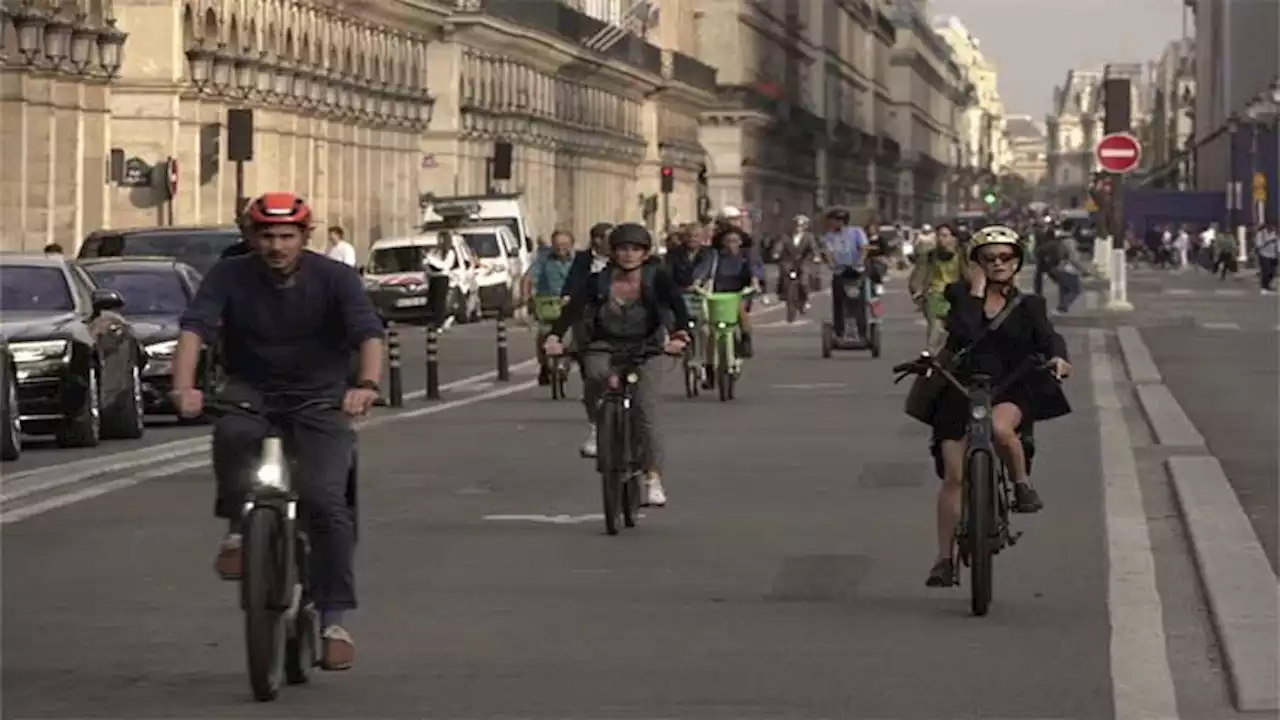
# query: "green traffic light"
990,199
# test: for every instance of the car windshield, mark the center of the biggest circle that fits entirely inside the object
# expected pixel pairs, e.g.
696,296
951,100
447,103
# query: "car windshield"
145,292
28,288
199,248
484,245
385,261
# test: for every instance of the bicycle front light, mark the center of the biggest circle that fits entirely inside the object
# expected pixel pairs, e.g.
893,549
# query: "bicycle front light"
978,412
632,378
271,473
722,326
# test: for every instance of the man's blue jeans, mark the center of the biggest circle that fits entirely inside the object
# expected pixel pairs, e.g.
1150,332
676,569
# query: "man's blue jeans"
1068,290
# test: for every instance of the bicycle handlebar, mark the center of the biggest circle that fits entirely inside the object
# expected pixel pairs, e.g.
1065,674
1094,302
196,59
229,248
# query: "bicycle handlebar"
927,363
218,406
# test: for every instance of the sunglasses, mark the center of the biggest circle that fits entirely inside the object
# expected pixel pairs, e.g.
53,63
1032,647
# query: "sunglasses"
1002,258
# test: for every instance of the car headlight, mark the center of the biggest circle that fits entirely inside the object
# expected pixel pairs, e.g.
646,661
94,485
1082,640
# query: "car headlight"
162,349
29,352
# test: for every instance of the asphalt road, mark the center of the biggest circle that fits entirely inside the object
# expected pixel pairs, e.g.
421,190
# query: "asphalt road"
784,580
1217,346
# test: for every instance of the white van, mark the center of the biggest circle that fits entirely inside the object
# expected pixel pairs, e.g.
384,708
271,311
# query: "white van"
396,281
497,233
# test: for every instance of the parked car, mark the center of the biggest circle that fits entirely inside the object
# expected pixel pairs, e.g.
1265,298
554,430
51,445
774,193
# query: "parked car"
156,291
199,247
77,360
10,418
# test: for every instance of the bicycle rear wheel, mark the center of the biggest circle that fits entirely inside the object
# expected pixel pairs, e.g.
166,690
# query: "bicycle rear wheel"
979,482
261,586
611,462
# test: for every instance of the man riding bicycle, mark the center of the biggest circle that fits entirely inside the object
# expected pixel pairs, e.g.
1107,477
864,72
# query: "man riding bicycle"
797,253
995,256
289,321
626,306
547,278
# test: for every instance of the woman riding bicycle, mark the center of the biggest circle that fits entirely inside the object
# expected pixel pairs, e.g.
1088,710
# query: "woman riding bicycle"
934,271
729,270
627,307
995,256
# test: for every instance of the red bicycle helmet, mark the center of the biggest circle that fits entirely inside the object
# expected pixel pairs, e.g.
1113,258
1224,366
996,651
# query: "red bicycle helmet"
278,208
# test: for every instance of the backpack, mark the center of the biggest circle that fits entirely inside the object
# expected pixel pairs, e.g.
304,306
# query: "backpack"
1049,254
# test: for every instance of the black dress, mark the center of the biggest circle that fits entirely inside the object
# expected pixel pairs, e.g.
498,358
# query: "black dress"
1026,332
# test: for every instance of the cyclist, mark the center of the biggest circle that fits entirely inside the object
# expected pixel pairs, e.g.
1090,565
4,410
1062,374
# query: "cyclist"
547,278
683,260
844,247
626,306
585,264
289,320
995,256
796,253
934,271
729,271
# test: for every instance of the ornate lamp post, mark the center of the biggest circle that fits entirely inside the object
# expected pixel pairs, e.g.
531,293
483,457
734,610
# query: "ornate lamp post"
83,39
223,69
29,24
57,41
200,66
246,73
111,48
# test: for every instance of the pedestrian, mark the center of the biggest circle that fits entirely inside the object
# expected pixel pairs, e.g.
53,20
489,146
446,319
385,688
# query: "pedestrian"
339,249
1224,254
1068,274
1268,245
1181,246
1204,253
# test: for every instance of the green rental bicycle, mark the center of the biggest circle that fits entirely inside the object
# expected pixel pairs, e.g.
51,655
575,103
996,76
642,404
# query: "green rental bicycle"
724,320
547,309
694,370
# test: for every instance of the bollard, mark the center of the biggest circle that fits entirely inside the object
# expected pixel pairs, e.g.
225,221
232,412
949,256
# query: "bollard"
393,360
1118,296
1102,256
433,362
504,368
1242,246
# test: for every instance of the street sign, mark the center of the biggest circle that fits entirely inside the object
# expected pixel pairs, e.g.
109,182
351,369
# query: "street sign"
1118,153
1259,187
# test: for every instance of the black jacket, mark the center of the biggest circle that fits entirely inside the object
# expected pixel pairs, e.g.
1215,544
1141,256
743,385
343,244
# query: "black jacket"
681,266
1026,332
660,295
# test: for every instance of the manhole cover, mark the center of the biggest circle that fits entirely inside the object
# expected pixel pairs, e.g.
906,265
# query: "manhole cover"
900,474
819,578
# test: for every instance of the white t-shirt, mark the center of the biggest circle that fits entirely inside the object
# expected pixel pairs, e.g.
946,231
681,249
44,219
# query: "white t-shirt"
344,252
441,263
1207,237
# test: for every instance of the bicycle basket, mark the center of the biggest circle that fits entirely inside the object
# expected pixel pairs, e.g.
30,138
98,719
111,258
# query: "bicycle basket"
547,309
723,308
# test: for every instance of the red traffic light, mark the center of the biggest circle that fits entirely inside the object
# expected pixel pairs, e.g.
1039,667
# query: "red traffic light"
667,172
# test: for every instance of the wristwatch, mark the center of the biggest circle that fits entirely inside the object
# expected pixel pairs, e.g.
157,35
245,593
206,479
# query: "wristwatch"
369,385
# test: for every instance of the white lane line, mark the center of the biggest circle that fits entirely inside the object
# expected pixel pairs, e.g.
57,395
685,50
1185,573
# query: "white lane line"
50,477
60,501
1141,680
1178,291
549,519
1220,326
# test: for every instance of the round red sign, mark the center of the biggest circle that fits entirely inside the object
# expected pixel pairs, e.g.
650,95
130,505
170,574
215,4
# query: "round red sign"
1118,153
173,177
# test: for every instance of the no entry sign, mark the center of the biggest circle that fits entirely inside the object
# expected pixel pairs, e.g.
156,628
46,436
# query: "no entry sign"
1118,153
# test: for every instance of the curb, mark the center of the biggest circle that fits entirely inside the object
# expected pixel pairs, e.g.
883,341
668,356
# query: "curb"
1241,590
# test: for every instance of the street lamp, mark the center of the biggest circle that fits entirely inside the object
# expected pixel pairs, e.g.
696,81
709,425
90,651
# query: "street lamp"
200,65
28,23
82,42
57,41
266,81
246,73
223,68
111,48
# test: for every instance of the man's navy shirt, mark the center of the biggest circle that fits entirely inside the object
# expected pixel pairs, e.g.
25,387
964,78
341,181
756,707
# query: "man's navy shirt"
294,337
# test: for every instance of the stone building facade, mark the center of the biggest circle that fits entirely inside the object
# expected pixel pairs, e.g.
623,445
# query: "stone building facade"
361,107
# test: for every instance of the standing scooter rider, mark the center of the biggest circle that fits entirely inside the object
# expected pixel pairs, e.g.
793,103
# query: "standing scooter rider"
844,246
289,321
547,278
796,253
623,307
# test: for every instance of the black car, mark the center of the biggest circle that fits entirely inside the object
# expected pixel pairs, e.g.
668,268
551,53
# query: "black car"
78,363
10,418
156,291
199,247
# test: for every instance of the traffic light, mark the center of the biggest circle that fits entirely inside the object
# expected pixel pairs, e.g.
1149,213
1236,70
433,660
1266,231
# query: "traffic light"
989,198
668,179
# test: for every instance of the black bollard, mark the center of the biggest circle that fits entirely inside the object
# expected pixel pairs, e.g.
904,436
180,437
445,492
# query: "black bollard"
433,362
504,366
393,360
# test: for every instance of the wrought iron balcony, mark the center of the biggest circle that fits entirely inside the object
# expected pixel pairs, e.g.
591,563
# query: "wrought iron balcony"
556,18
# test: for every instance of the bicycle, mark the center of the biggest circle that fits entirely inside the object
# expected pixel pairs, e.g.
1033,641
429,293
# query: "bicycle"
794,306
984,528
694,370
726,330
282,624
547,310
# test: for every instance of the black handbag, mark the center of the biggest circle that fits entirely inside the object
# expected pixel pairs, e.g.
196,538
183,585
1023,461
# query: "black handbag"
922,399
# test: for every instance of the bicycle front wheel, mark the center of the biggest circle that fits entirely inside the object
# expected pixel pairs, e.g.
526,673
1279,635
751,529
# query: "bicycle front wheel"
611,462
264,575
979,482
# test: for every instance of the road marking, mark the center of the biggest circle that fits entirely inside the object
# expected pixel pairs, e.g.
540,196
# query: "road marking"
812,386
50,477
1220,326
40,508
550,519
1229,292
784,323
1178,291
1141,680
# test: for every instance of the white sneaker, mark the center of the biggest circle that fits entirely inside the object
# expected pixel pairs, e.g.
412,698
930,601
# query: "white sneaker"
588,449
653,492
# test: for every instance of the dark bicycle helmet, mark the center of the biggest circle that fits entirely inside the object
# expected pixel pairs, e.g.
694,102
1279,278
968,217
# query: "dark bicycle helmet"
838,213
630,234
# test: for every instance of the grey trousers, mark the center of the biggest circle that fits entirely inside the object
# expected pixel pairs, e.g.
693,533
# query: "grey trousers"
596,368
322,444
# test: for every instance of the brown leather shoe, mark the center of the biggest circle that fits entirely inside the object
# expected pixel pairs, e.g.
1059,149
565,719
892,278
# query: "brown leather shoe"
339,648
229,563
